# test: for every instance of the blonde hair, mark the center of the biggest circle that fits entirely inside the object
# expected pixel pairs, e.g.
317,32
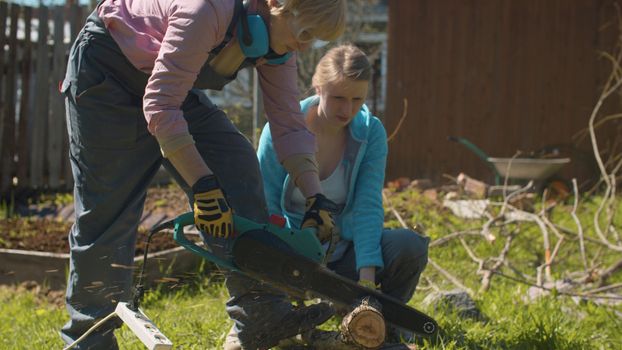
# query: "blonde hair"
344,61
319,19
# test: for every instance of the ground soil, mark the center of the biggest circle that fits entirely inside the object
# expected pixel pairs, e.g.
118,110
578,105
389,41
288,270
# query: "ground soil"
45,232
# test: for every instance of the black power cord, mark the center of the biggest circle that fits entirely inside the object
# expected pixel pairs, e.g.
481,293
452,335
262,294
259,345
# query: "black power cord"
139,290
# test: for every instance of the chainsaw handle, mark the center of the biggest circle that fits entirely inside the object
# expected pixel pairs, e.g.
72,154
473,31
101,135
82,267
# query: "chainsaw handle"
471,146
479,153
304,242
179,236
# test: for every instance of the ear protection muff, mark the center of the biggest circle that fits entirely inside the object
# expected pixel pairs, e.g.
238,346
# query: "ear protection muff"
254,38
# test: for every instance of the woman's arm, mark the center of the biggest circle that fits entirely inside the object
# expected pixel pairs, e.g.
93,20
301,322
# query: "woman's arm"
368,213
293,143
192,31
368,274
272,172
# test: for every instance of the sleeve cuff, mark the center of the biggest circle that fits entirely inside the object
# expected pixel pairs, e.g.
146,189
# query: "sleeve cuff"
301,163
171,144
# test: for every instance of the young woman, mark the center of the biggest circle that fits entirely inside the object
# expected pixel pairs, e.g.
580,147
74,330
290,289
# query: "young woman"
134,102
351,154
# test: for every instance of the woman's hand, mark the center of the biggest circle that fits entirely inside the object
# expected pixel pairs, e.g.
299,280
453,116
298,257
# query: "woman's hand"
319,212
367,277
212,213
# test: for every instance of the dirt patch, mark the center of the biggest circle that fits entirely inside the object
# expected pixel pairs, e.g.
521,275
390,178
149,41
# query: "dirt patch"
50,234
52,296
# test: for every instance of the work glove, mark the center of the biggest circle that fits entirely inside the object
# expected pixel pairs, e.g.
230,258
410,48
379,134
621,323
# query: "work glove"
319,212
212,214
369,284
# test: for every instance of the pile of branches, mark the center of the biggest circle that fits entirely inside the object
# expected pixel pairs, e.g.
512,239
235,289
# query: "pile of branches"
508,220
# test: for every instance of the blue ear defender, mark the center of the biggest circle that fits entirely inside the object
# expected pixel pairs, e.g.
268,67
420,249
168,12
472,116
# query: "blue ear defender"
254,39
253,36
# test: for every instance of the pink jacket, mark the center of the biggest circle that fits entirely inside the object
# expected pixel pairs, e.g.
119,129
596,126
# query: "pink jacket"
171,40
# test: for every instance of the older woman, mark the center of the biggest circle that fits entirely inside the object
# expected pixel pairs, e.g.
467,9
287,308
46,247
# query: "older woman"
134,102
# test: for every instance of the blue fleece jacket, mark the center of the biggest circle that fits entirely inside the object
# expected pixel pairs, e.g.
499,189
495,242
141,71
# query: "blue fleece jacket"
361,220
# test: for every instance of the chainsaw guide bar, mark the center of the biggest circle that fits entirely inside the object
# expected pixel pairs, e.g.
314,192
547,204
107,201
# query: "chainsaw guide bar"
306,278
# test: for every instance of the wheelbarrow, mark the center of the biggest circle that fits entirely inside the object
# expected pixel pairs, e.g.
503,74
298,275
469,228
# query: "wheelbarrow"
540,170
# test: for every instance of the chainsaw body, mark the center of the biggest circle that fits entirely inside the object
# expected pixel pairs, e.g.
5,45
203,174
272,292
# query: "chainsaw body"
294,263
303,242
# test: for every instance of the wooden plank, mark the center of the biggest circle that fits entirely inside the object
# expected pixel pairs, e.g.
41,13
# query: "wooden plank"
3,19
40,112
8,132
23,149
56,115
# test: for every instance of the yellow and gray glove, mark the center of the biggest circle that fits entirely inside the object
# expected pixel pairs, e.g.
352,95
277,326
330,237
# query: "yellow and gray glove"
319,212
368,284
212,213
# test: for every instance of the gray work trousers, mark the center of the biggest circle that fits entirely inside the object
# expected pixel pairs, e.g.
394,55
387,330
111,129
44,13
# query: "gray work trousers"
405,256
113,159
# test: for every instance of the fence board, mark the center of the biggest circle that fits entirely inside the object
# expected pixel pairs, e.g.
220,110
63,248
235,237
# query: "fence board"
8,132
75,17
56,115
34,144
3,19
23,151
41,103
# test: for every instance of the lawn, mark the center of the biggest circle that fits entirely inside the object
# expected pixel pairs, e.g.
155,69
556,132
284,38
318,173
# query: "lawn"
192,314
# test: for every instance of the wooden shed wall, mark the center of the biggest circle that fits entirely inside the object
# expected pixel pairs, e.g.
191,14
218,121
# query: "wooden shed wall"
506,74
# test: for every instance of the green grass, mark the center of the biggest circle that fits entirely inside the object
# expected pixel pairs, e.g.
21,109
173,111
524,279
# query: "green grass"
193,317
550,323
28,322
527,251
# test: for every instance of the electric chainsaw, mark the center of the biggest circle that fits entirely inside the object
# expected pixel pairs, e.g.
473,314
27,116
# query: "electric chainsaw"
293,261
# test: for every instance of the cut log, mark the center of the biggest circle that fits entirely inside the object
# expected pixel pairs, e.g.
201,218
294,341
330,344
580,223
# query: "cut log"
364,326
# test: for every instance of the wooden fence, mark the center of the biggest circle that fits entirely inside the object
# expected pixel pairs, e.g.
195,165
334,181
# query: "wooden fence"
33,137
507,75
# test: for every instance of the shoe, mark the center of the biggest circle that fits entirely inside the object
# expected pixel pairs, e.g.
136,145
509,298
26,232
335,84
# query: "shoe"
296,321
